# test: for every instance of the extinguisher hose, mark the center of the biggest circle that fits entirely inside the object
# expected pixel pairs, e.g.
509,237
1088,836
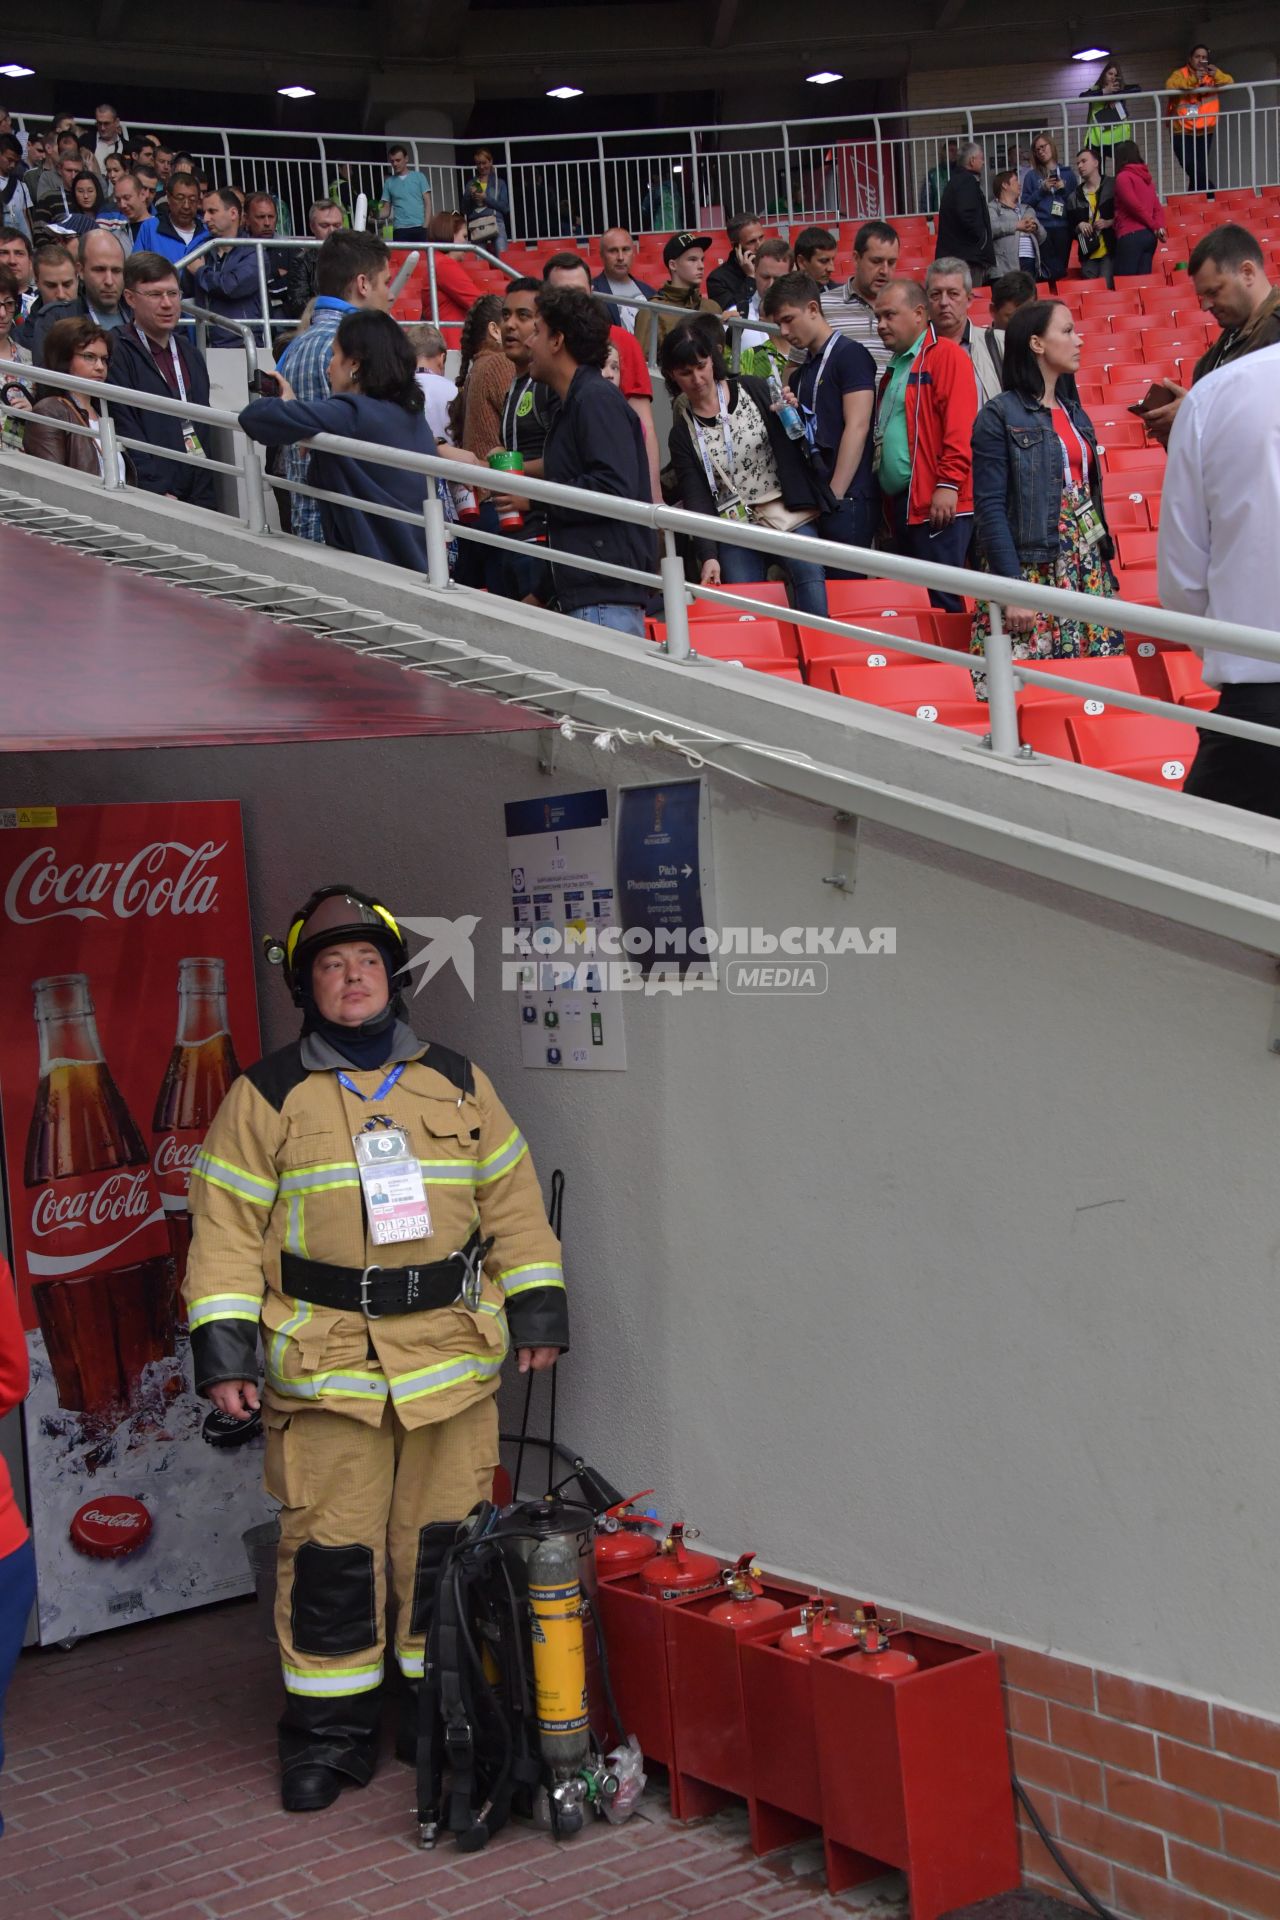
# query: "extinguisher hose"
606,1678
1068,1873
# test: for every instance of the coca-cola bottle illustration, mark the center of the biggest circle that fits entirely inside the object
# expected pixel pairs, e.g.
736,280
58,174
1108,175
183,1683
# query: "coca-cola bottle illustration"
97,1251
201,1068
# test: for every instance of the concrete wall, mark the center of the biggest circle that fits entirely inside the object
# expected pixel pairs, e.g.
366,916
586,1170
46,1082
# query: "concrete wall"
955,1287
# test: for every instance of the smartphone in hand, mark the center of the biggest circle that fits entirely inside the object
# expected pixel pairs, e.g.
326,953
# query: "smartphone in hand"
265,385
1156,395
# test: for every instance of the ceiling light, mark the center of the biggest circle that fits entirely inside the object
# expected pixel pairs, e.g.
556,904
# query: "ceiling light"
1091,53
564,93
297,93
823,79
14,72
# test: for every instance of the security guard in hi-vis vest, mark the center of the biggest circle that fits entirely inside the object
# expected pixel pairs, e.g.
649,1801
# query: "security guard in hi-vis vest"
366,1200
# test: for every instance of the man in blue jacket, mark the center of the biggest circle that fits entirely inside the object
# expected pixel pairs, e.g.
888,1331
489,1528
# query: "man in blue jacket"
594,441
150,356
178,227
226,280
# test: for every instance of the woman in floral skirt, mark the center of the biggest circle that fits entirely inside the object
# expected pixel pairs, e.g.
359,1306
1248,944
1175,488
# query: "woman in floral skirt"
1037,490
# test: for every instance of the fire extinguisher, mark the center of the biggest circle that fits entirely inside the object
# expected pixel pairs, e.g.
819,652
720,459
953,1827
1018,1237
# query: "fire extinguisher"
621,1544
819,1634
875,1656
747,1603
674,1573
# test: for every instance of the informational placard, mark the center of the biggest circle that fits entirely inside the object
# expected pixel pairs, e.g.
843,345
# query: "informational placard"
126,1006
560,851
664,873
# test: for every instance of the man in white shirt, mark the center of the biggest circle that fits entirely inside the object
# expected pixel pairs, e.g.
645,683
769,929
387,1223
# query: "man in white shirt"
1219,557
617,251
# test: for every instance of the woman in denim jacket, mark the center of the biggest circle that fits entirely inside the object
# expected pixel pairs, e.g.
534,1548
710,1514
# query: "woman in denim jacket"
1037,489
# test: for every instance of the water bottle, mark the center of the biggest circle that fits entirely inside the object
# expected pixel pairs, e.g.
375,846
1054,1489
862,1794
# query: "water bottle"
787,412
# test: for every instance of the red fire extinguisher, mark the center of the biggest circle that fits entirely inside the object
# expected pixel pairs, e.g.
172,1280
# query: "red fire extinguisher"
747,1603
675,1573
875,1656
621,1544
819,1633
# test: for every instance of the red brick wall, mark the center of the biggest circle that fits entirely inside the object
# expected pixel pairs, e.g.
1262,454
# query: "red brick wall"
1167,1807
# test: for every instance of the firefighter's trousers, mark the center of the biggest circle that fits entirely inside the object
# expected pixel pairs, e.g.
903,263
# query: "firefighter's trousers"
355,1498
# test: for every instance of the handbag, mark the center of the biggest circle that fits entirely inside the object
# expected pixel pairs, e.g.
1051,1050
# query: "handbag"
482,227
779,518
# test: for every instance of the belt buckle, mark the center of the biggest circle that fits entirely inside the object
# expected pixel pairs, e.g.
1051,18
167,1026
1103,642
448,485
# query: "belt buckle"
365,1307
472,1279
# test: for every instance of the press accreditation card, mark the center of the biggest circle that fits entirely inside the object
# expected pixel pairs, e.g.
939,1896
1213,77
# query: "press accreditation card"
394,1195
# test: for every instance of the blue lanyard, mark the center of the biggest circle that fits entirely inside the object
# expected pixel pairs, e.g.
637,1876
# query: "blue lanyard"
351,1087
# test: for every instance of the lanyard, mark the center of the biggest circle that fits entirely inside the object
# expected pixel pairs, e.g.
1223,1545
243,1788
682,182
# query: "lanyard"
515,395
1083,445
176,357
346,1081
809,410
722,399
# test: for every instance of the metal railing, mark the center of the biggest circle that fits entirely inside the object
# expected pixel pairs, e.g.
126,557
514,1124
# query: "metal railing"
658,180
251,330
1002,673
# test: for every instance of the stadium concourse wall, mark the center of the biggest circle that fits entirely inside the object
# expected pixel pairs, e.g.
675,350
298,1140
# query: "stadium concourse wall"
954,1287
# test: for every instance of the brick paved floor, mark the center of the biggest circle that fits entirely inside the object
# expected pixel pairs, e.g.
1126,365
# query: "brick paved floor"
141,1786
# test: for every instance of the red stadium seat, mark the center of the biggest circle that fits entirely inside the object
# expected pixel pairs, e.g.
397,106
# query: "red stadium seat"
846,599
773,591
822,672
751,641
1147,653
1043,713
1137,745
1117,430
942,694
1123,512
1138,468
1138,584
953,630
1181,671
1136,547
816,644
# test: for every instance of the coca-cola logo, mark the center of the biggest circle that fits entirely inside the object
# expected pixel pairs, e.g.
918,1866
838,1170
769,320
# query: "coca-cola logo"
164,877
122,1522
121,1196
174,1156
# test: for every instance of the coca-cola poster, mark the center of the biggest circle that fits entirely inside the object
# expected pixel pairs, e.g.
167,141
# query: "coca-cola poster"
126,1007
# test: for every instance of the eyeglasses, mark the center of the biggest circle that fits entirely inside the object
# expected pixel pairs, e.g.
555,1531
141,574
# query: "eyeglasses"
8,306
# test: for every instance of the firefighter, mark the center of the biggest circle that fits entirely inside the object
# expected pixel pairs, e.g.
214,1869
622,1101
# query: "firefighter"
366,1200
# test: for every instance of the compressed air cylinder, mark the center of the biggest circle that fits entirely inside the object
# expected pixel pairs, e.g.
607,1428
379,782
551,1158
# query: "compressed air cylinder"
559,1659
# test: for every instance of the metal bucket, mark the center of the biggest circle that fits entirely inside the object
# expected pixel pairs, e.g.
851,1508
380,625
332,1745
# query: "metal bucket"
260,1545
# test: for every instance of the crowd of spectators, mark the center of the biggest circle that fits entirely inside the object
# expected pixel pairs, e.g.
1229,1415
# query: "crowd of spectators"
861,407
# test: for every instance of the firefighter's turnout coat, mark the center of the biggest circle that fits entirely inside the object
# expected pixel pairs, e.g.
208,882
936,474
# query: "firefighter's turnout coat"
278,1171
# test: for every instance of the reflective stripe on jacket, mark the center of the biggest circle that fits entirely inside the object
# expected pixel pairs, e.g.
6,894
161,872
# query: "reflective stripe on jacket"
277,1171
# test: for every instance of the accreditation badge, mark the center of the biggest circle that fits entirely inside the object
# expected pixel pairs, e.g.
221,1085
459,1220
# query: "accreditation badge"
394,1195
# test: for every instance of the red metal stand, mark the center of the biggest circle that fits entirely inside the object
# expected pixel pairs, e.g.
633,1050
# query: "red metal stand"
910,1772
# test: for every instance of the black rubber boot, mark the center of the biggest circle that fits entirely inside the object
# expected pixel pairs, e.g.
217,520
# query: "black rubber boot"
309,1787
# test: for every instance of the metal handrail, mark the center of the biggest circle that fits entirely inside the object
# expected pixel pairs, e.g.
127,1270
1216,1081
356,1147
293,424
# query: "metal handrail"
734,324
1002,673
467,146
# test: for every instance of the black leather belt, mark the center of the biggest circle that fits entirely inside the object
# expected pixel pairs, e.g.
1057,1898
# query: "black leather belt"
379,1292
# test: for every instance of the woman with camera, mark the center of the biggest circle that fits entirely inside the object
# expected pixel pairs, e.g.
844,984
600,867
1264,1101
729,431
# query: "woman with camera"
1046,189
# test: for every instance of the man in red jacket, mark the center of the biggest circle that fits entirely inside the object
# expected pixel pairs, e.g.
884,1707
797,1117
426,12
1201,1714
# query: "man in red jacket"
17,1557
925,409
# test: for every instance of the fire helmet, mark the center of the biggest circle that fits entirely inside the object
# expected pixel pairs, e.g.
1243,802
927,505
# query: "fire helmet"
333,914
